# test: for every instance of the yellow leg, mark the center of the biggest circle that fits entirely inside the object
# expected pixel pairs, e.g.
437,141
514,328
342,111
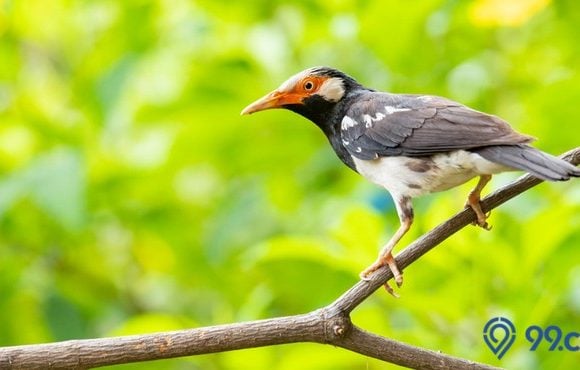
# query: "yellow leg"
473,202
405,212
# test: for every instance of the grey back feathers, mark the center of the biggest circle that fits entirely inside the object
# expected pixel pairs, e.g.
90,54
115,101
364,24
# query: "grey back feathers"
382,124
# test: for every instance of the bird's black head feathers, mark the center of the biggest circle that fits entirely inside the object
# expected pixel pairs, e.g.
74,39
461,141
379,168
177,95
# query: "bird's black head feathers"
349,82
323,107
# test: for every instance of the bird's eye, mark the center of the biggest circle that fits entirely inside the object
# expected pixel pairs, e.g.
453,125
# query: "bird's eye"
308,85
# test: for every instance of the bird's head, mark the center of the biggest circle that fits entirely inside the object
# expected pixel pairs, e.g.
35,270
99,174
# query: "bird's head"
311,93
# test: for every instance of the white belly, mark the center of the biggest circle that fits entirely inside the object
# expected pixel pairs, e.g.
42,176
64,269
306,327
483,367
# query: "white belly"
413,177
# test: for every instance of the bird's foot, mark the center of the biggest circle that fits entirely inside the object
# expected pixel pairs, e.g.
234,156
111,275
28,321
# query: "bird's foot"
386,260
482,217
482,221
473,201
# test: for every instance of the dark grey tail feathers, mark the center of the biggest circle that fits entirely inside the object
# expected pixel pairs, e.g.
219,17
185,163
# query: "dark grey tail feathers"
524,157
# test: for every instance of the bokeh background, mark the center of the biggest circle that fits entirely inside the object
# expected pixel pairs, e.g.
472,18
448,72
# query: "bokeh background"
134,198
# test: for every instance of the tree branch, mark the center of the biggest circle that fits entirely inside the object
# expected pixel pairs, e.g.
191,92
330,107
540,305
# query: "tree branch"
328,325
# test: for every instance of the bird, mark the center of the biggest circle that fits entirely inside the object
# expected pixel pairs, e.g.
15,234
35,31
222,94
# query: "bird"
410,144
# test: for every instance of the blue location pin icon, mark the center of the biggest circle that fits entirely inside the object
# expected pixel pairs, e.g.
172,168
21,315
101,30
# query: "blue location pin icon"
499,334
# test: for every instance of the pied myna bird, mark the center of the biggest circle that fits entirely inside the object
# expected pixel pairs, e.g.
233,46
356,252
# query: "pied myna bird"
410,144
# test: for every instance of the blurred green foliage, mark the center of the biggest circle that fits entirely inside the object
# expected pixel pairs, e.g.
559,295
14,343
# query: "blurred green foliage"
134,198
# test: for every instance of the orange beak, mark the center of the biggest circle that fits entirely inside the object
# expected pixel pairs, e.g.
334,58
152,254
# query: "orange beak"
275,99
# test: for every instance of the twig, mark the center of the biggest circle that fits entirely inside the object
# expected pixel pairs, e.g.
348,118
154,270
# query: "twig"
328,325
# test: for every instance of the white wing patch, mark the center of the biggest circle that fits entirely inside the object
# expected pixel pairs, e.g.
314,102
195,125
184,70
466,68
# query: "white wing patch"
370,119
390,109
347,122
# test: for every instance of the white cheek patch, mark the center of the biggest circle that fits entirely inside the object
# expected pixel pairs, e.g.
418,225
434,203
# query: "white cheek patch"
332,89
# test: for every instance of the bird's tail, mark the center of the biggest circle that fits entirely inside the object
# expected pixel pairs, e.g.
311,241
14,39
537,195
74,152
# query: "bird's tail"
532,160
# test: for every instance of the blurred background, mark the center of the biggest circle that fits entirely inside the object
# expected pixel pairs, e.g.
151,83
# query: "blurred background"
135,198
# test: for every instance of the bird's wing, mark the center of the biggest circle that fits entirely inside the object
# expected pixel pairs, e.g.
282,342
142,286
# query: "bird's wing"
381,124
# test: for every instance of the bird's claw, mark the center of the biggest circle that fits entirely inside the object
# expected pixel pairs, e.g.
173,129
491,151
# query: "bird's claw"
481,217
485,226
482,220
364,277
380,262
390,290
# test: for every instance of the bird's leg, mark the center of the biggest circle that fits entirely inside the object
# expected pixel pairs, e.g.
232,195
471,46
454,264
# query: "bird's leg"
473,202
405,212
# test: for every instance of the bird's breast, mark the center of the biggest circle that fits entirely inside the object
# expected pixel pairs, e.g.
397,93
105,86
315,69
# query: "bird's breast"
413,177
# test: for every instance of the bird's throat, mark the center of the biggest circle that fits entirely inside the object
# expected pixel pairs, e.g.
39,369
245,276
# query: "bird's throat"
315,108
326,115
